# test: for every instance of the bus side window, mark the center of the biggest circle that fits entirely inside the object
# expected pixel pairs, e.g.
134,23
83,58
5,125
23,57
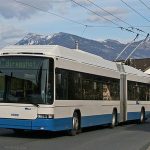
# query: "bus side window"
58,85
58,79
62,85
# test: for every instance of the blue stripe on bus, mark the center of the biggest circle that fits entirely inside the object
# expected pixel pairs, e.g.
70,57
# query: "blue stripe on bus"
133,115
136,115
53,124
147,114
15,123
96,120
37,124
62,123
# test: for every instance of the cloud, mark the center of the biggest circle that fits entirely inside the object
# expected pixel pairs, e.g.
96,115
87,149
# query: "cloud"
10,35
119,12
11,8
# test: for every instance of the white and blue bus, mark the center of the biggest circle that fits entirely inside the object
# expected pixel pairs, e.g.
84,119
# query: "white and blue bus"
53,88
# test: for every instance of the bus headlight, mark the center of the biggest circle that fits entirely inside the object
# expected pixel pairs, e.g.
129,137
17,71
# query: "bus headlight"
45,116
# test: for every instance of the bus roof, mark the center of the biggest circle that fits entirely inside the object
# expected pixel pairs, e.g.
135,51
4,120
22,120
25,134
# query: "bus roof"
70,54
59,51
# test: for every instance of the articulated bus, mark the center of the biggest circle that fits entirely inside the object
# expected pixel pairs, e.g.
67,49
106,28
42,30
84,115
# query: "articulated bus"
53,88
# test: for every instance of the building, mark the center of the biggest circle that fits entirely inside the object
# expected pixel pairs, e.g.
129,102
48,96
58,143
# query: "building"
141,64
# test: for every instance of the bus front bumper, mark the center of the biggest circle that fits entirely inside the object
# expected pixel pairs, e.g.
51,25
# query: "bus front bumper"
37,124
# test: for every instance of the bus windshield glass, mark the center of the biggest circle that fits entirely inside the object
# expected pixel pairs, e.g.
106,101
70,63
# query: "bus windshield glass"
26,80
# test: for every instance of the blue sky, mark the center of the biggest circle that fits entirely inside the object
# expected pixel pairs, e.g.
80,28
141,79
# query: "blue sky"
17,20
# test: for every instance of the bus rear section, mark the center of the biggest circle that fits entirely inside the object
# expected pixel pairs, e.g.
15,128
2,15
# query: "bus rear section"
26,92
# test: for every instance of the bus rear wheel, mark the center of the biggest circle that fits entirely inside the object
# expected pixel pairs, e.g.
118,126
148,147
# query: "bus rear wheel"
75,124
114,119
142,116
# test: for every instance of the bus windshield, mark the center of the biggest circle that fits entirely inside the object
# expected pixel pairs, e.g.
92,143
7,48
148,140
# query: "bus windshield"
26,80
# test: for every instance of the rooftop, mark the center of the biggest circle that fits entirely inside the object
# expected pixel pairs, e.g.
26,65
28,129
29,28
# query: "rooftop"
70,54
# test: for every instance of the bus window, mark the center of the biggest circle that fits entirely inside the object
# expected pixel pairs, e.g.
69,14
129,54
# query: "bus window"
2,87
61,84
24,79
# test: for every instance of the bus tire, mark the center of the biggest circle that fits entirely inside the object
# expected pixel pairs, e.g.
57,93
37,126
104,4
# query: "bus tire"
142,115
114,121
75,124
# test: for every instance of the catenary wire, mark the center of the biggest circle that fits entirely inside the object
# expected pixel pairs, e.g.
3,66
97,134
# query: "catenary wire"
116,24
54,14
131,26
73,21
135,11
144,4
108,12
62,17
95,13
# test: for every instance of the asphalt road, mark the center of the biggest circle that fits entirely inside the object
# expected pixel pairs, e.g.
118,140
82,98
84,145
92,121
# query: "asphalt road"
127,137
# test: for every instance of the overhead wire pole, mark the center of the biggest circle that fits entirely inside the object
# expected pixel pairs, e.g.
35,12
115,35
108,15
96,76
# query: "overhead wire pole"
143,41
126,47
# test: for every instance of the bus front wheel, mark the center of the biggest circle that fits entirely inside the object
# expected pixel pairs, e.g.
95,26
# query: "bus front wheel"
75,124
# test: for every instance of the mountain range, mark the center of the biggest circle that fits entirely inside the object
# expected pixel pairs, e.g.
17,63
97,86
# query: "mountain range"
108,49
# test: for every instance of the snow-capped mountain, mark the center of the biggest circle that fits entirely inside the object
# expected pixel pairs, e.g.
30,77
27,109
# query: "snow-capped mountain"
108,49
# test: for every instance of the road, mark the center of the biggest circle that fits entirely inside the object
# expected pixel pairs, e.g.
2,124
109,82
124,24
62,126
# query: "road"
127,137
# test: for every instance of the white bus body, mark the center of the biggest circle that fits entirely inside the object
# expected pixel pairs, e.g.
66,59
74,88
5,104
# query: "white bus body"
20,90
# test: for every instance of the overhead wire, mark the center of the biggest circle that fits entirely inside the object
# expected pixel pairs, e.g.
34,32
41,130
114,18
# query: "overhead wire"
77,22
84,30
142,42
135,11
130,26
144,4
52,13
87,26
95,13
60,16
116,24
71,20
109,12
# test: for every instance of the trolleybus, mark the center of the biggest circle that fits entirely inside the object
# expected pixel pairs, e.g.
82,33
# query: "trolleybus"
53,88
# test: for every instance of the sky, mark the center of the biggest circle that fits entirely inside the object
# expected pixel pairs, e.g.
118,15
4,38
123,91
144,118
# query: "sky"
17,19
